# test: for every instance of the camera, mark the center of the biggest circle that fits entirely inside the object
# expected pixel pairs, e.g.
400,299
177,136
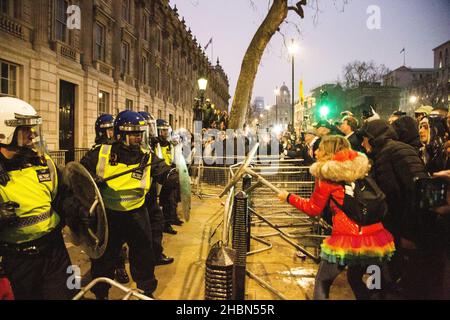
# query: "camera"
430,192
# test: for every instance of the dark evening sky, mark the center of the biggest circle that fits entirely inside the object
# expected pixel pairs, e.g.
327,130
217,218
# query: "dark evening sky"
326,45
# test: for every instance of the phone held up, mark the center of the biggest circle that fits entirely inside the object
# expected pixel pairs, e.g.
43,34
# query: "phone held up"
430,192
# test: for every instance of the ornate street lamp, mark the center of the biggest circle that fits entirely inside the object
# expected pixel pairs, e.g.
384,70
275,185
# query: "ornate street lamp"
198,110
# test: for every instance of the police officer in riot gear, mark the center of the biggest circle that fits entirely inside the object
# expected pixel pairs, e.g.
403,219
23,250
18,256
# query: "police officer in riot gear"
124,199
168,197
154,210
104,134
35,258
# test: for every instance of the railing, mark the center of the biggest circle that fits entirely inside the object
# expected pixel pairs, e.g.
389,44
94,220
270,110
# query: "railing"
59,157
103,67
66,51
18,28
79,153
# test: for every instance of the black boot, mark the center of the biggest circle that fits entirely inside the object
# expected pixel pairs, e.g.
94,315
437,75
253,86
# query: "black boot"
121,275
168,229
177,222
164,260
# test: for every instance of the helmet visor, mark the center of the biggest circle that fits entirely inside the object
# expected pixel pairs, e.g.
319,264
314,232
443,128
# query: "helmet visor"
152,131
31,138
137,140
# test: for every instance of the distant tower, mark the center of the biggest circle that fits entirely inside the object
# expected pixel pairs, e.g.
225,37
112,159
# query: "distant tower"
283,105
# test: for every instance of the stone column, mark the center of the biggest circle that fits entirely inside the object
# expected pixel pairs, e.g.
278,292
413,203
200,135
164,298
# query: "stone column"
87,28
42,13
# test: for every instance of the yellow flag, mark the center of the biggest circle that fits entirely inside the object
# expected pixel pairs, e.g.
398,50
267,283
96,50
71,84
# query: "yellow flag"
302,98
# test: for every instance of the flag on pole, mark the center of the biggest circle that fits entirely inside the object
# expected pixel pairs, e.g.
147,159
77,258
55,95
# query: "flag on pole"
302,98
209,42
403,50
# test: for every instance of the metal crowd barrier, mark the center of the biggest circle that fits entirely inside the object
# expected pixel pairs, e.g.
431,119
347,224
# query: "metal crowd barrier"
129,292
265,210
209,179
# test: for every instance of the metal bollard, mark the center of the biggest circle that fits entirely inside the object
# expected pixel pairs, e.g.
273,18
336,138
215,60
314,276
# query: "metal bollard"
219,273
240,244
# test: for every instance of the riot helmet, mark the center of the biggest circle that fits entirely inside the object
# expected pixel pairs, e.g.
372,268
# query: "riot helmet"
21,128
151,122
104,129
164,129
130,129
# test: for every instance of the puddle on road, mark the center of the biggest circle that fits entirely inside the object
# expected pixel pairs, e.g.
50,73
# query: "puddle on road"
303,277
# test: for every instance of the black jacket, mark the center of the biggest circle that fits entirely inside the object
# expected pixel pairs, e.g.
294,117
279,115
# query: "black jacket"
395,165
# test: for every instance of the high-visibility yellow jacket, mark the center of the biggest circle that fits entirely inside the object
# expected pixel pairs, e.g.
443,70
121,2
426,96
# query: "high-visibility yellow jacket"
33,188
126,192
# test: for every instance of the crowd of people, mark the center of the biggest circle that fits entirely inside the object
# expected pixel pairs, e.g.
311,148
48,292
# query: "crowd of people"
410,243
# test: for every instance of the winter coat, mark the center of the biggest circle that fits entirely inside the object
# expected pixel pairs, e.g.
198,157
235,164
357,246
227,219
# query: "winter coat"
395,165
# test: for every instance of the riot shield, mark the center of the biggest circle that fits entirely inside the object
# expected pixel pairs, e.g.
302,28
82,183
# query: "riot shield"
185,181
92,236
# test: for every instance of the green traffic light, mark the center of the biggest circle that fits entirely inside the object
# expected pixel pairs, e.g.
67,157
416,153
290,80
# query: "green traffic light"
324,110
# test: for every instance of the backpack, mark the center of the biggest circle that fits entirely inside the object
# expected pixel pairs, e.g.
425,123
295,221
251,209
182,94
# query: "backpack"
364,202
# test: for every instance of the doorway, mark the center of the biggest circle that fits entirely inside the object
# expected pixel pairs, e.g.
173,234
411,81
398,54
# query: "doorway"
67,118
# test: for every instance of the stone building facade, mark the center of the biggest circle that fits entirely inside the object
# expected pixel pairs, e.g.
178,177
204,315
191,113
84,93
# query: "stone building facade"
126,54
442,66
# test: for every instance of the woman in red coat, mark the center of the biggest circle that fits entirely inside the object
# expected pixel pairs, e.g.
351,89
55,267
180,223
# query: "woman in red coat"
349,244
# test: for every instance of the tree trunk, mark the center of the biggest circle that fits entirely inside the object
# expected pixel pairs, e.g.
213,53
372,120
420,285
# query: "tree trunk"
241,100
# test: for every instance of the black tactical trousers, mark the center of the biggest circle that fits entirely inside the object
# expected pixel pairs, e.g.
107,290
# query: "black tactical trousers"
132,228
157,224
168,199
42,275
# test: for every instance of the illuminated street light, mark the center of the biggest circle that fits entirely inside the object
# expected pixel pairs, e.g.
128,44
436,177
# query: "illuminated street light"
413,99
202,83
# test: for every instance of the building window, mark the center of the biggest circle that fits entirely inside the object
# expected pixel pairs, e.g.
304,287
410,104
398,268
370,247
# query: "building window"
99,40
171,120
144,70
103,102
159,114
61,19
128,104
158,40
146,108
125,58
4,6
157,78
8,79
146,31
10,8
180,124
126,10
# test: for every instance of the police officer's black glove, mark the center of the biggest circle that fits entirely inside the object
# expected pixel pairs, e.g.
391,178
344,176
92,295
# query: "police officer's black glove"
4,176
8,215
86,219
100,182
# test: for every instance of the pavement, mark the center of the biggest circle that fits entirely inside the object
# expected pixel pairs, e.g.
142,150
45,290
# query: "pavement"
281,267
